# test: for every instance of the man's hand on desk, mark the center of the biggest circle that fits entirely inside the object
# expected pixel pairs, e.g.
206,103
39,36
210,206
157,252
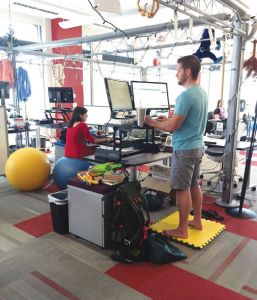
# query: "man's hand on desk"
161,118
150,121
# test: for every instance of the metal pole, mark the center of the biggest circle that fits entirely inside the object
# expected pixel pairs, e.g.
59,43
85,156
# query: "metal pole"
232,122
223,69
115,35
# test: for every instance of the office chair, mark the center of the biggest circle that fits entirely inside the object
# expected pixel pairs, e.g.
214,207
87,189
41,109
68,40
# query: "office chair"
215,154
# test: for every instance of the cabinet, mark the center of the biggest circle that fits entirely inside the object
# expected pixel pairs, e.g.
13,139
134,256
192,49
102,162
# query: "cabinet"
89,213
4,147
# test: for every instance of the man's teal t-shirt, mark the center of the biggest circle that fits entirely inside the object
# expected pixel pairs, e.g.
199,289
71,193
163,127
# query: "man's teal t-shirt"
192,103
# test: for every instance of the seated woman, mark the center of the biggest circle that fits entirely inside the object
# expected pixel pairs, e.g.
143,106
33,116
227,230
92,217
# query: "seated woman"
78,134
219,112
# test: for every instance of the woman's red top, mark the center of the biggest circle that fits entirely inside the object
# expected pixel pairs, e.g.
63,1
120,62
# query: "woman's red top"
75,141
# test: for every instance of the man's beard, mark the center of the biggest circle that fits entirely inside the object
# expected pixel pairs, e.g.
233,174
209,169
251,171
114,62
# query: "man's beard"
182,81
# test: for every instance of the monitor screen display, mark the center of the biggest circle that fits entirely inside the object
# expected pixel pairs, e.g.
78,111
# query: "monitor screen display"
119,95
153,95
4,89
97,115
60,95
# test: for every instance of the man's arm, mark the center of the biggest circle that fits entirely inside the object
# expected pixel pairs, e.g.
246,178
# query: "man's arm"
167,124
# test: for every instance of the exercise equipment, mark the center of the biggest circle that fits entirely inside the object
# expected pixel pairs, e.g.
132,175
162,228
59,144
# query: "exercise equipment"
196,238
27,169
66,168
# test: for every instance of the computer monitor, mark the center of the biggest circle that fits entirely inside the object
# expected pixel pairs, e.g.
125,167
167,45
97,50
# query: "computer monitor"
119,95
97,115
151,95
60,95
4,89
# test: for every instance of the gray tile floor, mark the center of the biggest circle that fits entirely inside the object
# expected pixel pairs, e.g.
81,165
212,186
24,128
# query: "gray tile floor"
64,267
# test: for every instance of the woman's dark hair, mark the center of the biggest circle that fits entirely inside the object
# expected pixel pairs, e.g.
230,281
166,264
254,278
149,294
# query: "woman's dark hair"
76,115
217,111
219,103
190,62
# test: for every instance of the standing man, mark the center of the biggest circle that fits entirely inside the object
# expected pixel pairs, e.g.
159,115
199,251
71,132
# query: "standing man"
188,125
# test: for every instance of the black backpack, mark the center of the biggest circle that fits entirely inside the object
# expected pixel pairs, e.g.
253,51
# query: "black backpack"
129,225
152,200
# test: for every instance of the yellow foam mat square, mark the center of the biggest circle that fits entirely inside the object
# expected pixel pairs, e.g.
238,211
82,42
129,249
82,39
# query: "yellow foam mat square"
196,238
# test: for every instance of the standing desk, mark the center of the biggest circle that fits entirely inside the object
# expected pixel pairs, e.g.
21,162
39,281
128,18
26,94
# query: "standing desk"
141,159
135,160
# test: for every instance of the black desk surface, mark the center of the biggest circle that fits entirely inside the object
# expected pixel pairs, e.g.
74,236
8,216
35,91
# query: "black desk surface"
144,158
135,160
16,130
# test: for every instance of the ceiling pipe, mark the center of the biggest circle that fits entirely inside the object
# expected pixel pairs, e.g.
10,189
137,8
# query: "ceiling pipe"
228,6
115,35
237,5
73,57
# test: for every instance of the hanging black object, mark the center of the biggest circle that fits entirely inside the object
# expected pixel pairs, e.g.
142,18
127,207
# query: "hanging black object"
240,212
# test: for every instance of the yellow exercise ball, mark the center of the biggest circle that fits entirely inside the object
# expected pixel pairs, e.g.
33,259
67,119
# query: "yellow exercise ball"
27,169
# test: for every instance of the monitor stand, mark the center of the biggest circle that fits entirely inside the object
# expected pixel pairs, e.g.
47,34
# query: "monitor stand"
58,99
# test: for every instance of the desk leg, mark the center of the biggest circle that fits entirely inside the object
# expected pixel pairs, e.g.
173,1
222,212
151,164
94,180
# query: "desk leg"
133,173
38,137
27,138
167,161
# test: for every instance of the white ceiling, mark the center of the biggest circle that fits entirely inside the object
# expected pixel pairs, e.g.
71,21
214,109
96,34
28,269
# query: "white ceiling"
123,13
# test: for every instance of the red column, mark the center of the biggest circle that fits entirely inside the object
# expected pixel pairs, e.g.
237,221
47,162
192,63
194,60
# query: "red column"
73,75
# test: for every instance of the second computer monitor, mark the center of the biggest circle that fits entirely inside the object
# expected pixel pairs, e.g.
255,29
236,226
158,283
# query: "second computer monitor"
152,95
119,95
60,95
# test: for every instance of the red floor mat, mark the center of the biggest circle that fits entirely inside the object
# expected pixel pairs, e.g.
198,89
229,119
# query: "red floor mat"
253,163
37,226
244,153
170,282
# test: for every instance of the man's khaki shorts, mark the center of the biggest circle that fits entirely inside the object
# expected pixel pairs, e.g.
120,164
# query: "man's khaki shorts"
185,168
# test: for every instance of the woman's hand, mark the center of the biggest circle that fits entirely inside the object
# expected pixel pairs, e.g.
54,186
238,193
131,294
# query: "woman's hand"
99,132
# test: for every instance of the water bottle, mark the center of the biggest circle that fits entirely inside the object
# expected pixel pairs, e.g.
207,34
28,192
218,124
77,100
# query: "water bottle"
168,139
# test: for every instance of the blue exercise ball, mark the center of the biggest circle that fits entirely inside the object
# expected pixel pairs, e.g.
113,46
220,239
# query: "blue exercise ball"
66,168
